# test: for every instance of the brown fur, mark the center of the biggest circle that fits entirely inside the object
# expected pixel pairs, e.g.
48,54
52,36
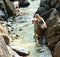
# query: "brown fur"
39,29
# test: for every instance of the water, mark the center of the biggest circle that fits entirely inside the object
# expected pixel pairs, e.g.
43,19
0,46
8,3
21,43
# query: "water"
26,33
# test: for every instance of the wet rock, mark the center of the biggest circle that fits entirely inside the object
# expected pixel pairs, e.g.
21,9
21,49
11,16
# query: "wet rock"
16,4
17,35
53,31
9,24
20,50
56,52
10,8
24,3
13,36
46,7
43,12
6,38
4,34
3,29
20,13
20,29
2,16
39,27
48,3
13,53
3,48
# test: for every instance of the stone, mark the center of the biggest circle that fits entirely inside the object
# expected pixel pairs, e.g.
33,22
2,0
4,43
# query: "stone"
20,50
2,16
53,31
10,8
3,48
56,52
13,53
4,34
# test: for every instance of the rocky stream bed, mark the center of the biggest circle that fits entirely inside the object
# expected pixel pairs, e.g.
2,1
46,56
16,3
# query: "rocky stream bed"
23,28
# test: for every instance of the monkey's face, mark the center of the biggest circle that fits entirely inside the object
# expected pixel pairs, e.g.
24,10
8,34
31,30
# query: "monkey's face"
42,24
39,23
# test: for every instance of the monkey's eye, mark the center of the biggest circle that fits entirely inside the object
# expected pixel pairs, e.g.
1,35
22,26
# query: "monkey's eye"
40,22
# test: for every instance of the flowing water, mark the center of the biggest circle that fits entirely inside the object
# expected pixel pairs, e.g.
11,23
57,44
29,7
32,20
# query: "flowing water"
25,29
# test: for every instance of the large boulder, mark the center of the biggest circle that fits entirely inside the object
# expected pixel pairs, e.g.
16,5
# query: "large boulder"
48,3
53,31
13,53
56,52
3,48
43,12
9,7
20,50
7,39
4,34
46,7
2,16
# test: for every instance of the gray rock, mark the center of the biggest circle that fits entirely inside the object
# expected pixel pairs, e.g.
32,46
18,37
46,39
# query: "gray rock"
3,48
13,53
20,50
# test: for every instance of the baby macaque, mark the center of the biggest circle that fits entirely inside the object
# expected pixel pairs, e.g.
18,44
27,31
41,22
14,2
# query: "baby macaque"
39,27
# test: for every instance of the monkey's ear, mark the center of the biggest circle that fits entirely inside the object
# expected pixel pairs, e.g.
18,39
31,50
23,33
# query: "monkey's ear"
33,20
37,16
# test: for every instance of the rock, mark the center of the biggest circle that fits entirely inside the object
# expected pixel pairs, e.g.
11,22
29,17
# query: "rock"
9,24
24,3
20,13
3,48
43,12
13,53
56,52
3,30
20,50
10,8
48,3
2,16
6,38
46,7
4,34
53,32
